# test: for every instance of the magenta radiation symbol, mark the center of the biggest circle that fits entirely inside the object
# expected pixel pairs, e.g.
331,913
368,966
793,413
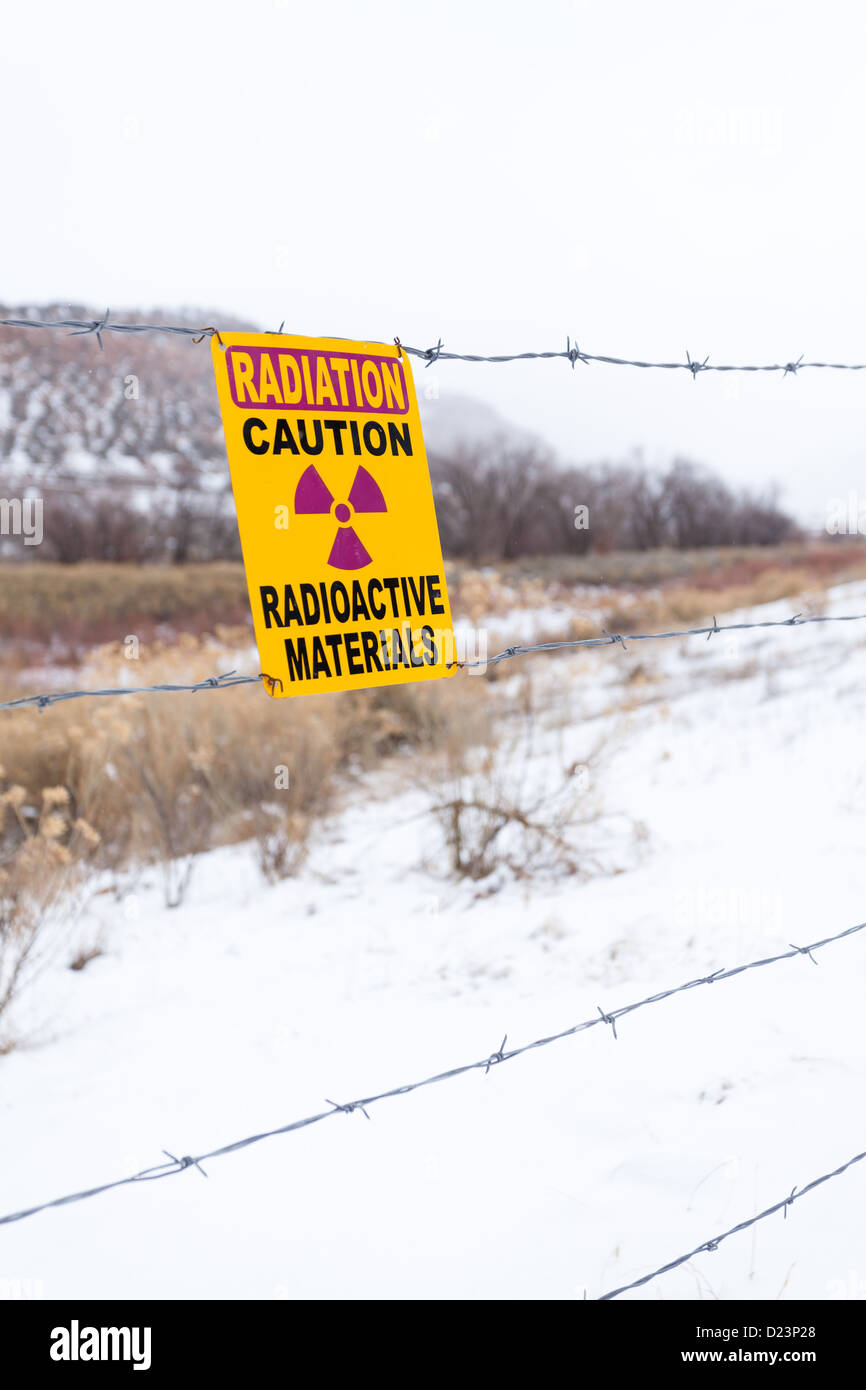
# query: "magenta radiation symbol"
312,498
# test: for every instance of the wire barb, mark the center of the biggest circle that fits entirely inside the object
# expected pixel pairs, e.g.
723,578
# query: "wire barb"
496,1057
574,354
432,354
607,1018
186,1162
98,326
695,367
348,1109
711,979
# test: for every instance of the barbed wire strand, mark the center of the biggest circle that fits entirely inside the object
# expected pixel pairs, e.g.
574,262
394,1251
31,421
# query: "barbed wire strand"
609,639
715,1242
621,638
224,682
571,353
81,327
485,1064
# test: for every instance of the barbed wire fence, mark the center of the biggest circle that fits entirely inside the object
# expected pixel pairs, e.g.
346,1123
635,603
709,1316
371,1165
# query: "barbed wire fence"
573,355
608,639
364,1104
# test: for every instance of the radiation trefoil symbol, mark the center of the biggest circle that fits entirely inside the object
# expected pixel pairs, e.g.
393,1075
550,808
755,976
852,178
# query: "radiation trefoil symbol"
312,498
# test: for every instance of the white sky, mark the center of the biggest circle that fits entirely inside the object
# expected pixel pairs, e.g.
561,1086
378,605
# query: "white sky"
646,177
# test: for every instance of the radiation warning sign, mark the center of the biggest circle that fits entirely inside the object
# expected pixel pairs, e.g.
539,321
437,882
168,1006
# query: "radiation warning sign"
335,511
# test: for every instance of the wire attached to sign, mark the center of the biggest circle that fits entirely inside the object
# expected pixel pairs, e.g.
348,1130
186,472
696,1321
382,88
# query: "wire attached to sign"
210,333
271,683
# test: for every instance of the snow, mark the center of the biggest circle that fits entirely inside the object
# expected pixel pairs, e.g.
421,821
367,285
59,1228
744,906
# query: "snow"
572,1169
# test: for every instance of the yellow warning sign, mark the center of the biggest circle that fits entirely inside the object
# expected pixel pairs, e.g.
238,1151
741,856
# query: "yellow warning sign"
335,511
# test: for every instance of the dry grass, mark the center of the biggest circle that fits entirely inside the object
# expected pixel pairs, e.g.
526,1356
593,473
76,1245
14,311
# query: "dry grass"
89,603
667,580
163,779
81,605
46,852
694,606
711,568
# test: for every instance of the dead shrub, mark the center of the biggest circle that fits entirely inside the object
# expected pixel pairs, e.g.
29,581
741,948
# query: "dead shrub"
282,841
157,759
85,953
515,806
45,856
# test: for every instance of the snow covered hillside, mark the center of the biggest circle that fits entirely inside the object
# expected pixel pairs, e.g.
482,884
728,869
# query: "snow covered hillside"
726,822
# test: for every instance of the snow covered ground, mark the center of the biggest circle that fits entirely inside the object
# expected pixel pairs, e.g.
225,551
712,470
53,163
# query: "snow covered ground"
733,788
